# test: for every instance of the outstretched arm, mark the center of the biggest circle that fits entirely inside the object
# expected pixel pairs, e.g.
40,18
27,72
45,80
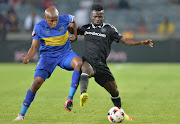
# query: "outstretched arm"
136,42
73,30
31,52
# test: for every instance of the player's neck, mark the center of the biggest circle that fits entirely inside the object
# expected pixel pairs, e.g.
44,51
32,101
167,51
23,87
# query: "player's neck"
98,24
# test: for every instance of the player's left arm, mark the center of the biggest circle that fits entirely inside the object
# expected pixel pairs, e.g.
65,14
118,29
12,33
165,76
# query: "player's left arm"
73,30
136,42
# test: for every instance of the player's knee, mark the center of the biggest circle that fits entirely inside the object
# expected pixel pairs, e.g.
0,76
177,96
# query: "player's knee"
86,69
78,65
114,93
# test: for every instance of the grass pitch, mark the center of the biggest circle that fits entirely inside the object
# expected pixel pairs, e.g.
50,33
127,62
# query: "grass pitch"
150,93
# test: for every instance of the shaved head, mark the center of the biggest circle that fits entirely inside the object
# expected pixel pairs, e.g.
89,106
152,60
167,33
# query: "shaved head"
51,12
51,17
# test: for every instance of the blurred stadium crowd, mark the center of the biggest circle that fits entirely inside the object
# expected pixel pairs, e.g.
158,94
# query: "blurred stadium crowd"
130,17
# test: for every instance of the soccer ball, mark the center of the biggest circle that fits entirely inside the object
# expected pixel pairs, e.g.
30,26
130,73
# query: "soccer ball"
116,115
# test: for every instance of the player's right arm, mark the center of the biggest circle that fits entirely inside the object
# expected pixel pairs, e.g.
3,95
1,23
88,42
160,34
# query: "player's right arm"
32,51
119,38
136,42
81,30
74,29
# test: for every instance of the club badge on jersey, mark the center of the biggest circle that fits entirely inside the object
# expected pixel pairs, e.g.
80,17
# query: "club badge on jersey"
103,30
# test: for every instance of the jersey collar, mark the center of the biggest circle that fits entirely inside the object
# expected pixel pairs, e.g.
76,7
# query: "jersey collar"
45,24
93,26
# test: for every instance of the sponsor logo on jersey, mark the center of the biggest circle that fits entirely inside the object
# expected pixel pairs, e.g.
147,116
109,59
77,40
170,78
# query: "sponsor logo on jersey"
94,33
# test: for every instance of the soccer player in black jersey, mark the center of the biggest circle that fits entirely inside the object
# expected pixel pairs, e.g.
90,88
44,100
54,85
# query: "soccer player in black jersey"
98,37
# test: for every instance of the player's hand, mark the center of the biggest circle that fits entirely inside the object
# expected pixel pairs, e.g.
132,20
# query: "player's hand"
147,42
72,38
25,59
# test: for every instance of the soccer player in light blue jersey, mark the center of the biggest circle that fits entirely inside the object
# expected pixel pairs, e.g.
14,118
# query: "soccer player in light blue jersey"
55,50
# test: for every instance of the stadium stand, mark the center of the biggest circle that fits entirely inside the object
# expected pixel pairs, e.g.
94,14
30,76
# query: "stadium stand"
151,10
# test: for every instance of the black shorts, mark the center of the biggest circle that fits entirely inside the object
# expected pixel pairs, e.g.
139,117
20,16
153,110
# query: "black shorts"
102,73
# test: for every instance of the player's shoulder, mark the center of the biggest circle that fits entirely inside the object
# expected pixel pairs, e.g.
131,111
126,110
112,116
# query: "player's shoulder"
86,26
110,27
41,23
64,16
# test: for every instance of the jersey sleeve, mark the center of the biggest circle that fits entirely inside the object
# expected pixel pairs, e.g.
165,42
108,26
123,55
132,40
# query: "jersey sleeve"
81,30
69,18
115,35
35,33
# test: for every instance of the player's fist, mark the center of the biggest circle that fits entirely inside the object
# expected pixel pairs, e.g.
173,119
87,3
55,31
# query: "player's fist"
25,59
70,28
73,38
147,42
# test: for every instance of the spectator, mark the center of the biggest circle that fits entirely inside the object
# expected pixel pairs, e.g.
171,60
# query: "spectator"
82,16
128,33
4,1
174,1
123,4
31,20
82,13
15,3
11,10
112,5
13,24
12,21
141,25
48,3
98,1
2,27
86,4
166,27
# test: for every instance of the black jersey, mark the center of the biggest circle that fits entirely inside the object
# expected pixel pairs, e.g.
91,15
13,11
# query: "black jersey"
98,40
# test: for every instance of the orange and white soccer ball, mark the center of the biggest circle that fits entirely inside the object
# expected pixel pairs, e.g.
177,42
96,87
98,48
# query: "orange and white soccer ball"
116,115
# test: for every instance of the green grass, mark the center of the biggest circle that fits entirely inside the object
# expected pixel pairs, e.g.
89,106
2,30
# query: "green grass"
150,93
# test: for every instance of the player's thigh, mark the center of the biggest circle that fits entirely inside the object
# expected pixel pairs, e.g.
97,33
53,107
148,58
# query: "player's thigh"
45,67
71,62
103,78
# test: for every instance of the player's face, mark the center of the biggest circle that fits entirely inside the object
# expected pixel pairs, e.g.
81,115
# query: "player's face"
52,21
97,17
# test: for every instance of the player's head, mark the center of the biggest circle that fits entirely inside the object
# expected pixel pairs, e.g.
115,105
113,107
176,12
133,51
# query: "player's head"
97,14
51,17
